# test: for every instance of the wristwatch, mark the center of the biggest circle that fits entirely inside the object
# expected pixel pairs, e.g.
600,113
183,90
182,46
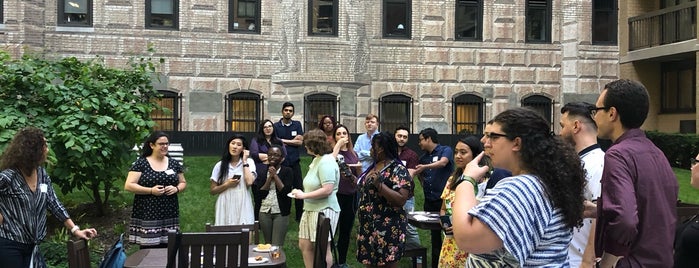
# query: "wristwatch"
246,165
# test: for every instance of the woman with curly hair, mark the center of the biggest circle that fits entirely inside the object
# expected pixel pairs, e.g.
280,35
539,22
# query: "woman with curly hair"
327,124
26,193
526,220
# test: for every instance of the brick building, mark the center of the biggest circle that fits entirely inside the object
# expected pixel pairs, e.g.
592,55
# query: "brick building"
446,64
658,46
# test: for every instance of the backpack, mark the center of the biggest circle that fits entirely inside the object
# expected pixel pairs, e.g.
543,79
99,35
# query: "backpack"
115,256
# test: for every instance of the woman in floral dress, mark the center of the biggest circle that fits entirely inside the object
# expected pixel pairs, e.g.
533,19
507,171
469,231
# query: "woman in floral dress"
464,150
383,188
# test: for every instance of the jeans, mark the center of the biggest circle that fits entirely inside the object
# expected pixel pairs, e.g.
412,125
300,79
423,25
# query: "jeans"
274,227
15,254
412,239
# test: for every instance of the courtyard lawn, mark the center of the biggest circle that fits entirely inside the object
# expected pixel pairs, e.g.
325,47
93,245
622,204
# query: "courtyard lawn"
197,207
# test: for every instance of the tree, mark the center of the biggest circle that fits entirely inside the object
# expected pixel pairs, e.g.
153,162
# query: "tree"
92,116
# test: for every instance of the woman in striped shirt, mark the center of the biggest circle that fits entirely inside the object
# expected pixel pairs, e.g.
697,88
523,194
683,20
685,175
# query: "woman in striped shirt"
25,194
526,220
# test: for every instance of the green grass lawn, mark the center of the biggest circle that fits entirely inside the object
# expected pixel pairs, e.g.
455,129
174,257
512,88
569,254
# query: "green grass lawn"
197,207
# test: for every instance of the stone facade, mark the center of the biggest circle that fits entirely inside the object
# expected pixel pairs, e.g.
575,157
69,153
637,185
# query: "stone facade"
204,62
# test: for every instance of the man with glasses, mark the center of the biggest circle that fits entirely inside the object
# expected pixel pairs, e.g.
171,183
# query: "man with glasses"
436,165
291,133
636,210
580,131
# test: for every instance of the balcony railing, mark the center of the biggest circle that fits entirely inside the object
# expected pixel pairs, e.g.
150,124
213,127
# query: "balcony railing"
664,26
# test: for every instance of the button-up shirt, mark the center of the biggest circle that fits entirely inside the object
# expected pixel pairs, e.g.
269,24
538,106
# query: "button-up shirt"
436,179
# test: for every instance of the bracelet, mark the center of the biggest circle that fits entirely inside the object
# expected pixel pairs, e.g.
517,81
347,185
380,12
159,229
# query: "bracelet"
469,179
74,229
178,188
246,165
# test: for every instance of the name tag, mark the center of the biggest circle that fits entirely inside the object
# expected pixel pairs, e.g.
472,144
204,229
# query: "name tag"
294,133
169,172
404,162
435,159
43,187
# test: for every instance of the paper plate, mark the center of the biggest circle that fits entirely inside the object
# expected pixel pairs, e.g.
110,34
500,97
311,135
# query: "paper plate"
263,260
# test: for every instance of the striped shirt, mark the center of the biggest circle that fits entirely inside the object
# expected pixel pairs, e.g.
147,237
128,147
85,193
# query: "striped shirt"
24,211
533,232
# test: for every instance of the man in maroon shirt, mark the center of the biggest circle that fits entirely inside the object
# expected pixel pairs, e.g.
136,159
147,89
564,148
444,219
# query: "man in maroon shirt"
410,160
636,211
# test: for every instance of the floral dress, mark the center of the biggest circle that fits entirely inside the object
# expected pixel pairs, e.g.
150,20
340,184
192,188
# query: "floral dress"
450,255
381,234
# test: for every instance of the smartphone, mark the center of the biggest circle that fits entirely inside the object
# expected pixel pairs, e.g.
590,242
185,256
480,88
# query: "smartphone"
236,177
446,222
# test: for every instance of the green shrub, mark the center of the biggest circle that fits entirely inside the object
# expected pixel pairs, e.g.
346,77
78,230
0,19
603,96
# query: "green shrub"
678,148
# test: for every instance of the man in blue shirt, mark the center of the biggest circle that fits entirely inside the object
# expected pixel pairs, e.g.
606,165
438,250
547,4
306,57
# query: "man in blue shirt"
363,144
436,165
291,133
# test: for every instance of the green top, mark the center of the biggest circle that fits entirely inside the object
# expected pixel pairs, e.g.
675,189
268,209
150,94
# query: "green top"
322,170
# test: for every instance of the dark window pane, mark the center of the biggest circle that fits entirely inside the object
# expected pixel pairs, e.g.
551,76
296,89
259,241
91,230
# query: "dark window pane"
323,17
604,22
75,12
244,16
396,18
244,110
317,106
540,104
468,115
395,112
678,87
468,19
168,118
162,13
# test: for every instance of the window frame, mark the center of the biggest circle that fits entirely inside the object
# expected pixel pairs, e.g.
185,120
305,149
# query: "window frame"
61,16
335,13
677,67
611,29
311,122
176,117
233,16
408,19
250,122
478,21
535,101
468,99
2,11
175,16
528,19
395,98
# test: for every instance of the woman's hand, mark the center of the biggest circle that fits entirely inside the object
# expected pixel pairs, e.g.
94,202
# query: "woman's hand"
86,234
170,190
232,182
475,171
298,194
157,190
246,154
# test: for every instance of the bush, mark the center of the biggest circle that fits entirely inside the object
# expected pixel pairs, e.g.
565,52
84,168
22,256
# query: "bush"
678,148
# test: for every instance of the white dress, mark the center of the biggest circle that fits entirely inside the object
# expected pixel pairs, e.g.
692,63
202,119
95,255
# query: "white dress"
234,205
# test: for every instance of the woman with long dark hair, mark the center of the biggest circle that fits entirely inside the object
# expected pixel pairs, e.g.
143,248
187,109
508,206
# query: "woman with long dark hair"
526,220
383,190
26,193
347,191
231,178
259,146
156,180
465,149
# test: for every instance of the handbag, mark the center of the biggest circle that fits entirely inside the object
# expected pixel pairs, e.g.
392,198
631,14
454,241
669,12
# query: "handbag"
115,256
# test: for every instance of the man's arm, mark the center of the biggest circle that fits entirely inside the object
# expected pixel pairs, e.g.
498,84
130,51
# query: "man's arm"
296,141
618,208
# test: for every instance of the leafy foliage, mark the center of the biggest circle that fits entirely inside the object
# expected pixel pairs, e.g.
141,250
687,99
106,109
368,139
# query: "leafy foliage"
92,115
678,148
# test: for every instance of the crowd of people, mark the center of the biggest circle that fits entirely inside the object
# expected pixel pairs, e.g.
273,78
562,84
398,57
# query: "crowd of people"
532,198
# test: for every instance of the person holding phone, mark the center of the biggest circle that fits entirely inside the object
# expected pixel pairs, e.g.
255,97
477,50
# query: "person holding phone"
231,179
465,149
156,180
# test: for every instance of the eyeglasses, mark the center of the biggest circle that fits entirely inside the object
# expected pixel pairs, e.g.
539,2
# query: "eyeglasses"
493,135
593,110
693,161
163,144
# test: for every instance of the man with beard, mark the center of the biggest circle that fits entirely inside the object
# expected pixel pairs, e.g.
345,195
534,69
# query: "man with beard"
578,129
409,159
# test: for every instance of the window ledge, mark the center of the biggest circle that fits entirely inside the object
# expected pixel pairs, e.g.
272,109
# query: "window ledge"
75,29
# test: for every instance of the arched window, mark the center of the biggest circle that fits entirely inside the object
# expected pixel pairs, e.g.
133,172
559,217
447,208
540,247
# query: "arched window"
243,111
541,104
468,114
169,118
318,105
395,110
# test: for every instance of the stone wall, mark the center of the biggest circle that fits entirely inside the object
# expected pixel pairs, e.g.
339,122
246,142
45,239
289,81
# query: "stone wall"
205,62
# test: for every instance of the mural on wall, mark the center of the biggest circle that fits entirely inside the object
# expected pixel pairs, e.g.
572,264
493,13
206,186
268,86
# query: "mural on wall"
358,37
289,51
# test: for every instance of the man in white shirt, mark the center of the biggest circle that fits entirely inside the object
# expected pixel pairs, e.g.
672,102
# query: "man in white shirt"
578,129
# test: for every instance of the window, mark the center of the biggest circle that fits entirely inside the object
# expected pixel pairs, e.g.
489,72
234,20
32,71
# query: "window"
538,21
468,115
244,16
541,104
316,106
604,22
169,119
322,17
243,111
469,20
75,13
396,18
162,14
678,88
394,111
2,11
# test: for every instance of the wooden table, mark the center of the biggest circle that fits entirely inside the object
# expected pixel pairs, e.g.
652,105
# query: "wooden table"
157,258
432,223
